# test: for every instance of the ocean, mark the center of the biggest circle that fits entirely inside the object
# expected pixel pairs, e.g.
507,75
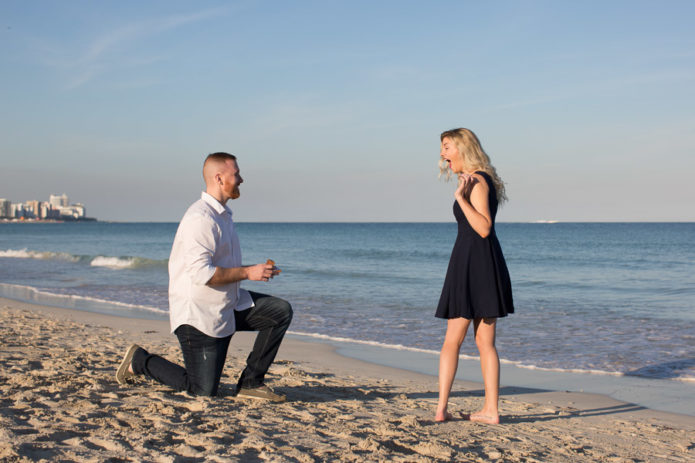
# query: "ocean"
596,298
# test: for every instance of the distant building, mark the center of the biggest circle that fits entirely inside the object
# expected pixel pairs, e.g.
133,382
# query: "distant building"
59,201
5,208
17,211
32,210
81,210
45,210
76,211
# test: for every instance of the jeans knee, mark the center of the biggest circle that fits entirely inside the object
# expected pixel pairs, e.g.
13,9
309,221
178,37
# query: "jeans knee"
281,311
139,359
289,313
205,389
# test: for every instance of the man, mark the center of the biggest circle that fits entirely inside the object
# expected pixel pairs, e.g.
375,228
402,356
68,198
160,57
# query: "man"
206,303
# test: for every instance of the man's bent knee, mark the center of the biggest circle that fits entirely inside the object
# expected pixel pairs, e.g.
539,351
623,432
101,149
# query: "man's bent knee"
283,312
288,311
205,389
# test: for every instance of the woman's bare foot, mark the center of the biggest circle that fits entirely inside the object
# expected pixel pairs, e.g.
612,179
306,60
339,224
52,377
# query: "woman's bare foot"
481,417
440,417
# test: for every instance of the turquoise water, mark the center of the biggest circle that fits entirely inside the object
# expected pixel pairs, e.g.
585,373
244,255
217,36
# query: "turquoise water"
593,297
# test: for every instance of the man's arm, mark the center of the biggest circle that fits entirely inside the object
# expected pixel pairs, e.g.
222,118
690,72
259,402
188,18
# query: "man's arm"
224,275
199,236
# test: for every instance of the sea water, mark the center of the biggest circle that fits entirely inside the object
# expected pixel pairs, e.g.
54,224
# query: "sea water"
598,298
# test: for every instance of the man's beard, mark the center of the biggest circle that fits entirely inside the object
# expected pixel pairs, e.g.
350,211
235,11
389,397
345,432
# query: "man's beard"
236,193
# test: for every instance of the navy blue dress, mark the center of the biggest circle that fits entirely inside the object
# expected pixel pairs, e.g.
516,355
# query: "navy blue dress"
477,283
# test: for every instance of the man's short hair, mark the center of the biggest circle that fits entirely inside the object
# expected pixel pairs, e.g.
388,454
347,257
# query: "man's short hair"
220,157
216,159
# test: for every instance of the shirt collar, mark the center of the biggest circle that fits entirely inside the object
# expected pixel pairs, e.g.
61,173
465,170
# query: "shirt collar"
215,204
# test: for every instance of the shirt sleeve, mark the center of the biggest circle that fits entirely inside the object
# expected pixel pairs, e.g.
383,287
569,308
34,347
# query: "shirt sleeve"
200,239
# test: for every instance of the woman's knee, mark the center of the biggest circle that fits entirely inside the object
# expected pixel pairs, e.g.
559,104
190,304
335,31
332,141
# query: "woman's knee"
455,334
451,344
485,343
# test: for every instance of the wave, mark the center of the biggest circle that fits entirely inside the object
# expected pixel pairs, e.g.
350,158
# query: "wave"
116,263
517,364
126,262
27,254
72,301
368,343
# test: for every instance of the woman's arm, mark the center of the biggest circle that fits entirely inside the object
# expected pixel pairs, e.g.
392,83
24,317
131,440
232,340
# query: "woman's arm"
476,208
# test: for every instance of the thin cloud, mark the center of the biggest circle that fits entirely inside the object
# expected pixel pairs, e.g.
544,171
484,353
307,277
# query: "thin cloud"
97,59
139,30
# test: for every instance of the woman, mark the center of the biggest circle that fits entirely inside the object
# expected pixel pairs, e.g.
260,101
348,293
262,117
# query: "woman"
477,285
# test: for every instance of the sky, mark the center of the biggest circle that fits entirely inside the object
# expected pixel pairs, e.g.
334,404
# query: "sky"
334,108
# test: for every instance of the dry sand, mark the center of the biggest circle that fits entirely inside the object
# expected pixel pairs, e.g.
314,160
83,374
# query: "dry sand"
60,402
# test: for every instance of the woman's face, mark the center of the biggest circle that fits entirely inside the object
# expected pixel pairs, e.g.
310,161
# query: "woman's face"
450,153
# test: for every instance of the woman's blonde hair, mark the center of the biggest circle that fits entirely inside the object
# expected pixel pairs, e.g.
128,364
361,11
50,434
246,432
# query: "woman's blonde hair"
473,157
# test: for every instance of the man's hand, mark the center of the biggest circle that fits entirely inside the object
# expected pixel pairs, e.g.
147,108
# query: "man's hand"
260,272
276,271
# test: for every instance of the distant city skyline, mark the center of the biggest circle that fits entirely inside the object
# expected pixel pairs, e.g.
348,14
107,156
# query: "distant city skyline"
57,207
334,109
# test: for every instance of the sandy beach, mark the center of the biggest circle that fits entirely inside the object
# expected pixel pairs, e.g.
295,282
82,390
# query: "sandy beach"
60,402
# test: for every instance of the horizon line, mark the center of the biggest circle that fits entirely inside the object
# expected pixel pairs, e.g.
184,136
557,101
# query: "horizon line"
538,222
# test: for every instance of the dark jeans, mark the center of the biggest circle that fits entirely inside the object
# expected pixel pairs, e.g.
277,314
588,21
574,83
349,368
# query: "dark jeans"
204,356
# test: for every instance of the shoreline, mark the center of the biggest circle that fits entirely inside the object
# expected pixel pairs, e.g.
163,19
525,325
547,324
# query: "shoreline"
673,394
672,397
362,359
63,402
62,220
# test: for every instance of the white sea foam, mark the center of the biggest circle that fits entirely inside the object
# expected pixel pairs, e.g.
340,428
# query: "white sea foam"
31,294
367,343
114,262
28,254
687,379
436,352
562,370
471,357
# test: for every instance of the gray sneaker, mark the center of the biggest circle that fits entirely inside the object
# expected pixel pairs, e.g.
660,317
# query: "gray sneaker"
123,374
261,392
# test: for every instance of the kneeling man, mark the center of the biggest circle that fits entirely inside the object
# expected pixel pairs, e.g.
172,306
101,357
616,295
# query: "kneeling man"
206,303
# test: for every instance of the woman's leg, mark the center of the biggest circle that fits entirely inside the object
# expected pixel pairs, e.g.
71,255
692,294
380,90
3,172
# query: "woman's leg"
490,365
448,363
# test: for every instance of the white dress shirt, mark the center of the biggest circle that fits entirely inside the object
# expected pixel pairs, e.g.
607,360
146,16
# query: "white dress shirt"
206,239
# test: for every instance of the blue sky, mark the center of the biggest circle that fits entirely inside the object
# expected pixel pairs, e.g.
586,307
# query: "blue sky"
334,108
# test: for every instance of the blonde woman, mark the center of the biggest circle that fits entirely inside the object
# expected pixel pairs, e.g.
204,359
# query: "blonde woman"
477,286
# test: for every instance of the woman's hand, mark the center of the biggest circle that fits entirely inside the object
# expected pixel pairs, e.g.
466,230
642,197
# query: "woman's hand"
472,197
466,182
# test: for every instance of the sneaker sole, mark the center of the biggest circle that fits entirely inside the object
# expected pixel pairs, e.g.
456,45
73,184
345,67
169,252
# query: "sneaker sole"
122,373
